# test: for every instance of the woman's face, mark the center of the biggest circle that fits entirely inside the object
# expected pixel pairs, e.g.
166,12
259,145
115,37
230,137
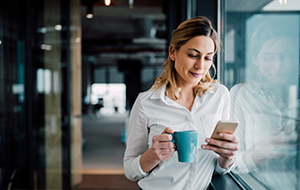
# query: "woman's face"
193,60
276,60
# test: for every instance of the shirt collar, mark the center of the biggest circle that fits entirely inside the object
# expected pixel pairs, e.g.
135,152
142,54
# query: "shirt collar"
159,93
252,88
266,93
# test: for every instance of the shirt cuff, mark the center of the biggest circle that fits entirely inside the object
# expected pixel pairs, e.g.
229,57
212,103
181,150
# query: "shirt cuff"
241,165
220,170
136,167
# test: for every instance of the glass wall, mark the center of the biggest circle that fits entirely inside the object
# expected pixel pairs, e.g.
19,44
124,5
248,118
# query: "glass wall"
14,138
260,66
40,95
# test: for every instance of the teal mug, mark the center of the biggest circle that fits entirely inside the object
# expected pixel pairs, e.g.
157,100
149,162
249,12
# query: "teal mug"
186,144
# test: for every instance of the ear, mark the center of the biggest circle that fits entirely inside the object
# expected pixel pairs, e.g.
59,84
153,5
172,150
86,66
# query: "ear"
172,51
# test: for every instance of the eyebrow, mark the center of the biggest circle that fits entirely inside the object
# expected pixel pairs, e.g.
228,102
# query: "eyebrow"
199,51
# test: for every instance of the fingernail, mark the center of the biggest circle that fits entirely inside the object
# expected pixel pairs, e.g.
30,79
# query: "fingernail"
207,140
221,135
203,147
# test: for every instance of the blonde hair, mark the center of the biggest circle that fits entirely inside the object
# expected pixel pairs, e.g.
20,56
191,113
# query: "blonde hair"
198,26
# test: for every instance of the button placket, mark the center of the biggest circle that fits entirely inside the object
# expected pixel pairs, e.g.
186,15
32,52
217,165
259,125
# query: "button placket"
190,119
202,134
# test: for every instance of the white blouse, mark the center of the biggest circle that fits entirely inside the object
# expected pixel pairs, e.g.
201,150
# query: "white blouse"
151,114
258,114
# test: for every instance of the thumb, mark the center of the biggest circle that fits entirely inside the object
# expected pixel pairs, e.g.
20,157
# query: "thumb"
276,130
168,130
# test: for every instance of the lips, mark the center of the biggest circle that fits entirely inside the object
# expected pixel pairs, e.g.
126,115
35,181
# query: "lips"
197,75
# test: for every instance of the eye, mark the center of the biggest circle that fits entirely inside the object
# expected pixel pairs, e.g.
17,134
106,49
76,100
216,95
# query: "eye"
192,55
208,58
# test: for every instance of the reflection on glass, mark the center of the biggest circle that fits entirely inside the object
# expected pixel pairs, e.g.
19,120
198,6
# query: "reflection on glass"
47,75
266,104
40,80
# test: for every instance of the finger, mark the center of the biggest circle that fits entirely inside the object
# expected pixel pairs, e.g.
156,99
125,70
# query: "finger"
229,137
276,130
166,151
168,130
163,145
290,129
165,156
222,144
222,152
162,138
291,138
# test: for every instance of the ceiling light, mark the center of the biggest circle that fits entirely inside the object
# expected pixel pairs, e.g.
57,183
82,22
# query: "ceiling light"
42,30
0,42
89,12
89,16
58,27
46,47
107,2
78,40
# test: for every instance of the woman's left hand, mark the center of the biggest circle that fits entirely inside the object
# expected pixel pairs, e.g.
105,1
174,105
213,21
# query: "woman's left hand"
226,147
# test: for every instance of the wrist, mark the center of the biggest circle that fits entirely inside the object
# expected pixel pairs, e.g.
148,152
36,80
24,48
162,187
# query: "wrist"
248,158
257,158
226,162
149,160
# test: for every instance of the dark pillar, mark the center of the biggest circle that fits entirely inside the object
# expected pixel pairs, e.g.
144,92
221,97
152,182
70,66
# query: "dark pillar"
132,78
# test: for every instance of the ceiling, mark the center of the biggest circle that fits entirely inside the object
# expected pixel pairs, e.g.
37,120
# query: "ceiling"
246,5
118,32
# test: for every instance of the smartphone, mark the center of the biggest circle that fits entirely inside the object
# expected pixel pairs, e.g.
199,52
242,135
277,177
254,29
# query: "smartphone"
224,126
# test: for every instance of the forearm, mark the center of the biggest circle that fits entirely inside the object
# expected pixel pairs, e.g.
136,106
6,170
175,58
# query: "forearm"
149,160
249,158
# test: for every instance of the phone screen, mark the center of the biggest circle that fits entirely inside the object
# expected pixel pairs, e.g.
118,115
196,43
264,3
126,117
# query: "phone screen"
224,127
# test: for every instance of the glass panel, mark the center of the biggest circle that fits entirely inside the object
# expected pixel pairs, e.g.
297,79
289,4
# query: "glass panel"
51,58
40,94
13,135
261,69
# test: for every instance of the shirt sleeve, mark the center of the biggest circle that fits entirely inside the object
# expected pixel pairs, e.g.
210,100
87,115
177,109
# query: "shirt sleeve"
220,170
226,104
237,114
225,116
136,142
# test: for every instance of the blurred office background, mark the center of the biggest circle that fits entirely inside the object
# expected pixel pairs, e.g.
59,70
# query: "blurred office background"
70,71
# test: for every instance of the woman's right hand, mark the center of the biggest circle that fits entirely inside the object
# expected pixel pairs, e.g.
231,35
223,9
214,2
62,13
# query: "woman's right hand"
276,145
161,149
161,145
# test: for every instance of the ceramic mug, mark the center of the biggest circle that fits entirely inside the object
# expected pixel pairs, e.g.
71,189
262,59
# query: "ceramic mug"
186,144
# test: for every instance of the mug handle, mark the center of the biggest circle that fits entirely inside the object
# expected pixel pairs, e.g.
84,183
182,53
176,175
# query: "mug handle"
172,134
173,140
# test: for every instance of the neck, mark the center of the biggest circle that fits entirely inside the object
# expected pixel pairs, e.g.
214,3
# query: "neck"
187,97
187,93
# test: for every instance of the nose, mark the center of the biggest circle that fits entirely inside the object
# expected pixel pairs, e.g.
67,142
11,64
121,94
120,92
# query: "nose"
199,64
278,65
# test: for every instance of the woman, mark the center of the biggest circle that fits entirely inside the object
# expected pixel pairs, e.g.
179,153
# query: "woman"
266,104
184,97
